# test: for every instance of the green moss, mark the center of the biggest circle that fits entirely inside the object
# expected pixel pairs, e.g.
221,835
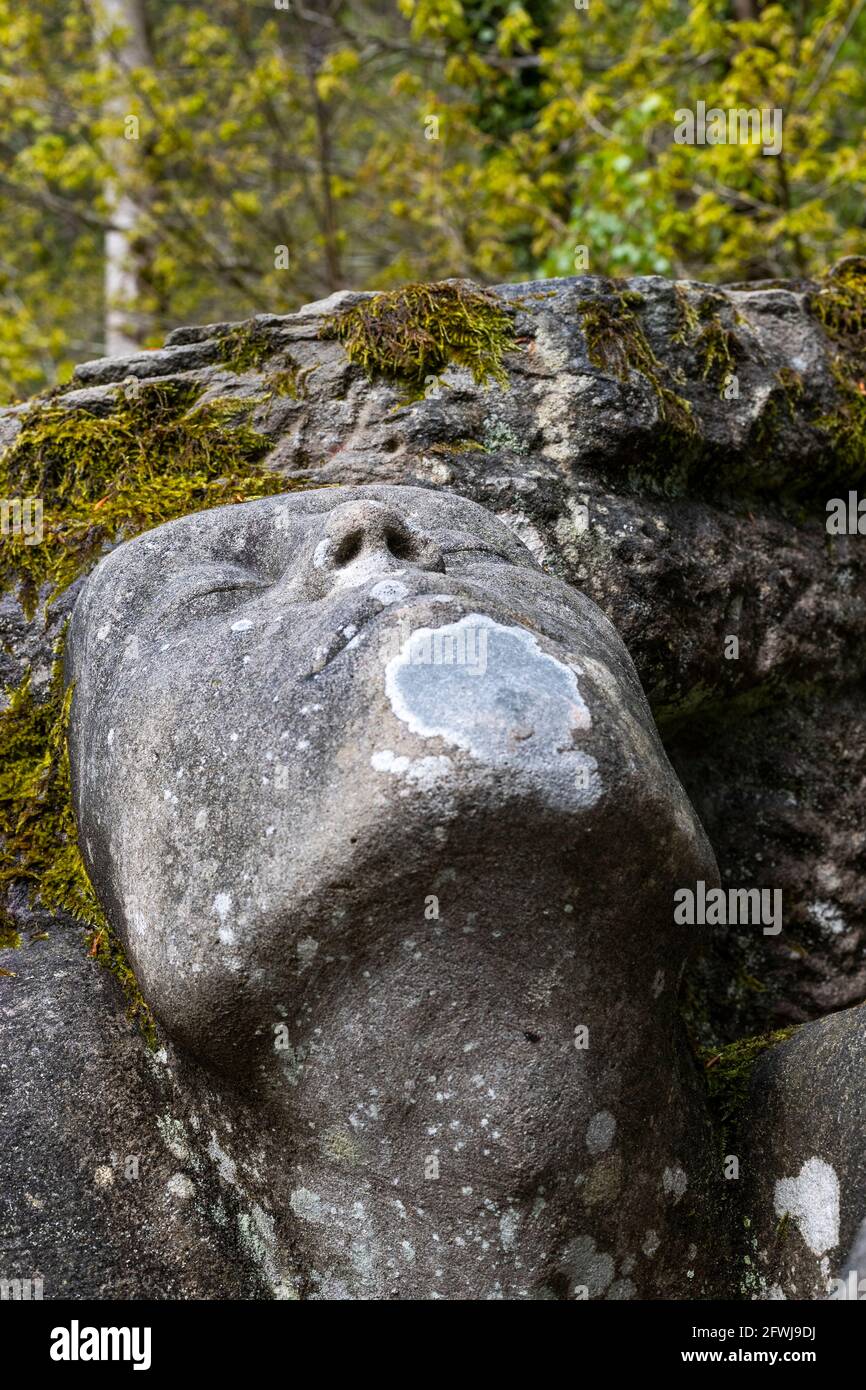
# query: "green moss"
688,320
289,381
781,402
416,332
716,352
458,446
846,425
616,343
791,383
700,328
38,831
246,348
102,478
714,707
158,454
728,1072
840,306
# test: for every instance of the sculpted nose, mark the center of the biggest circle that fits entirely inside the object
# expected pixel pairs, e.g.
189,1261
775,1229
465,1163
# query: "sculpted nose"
368,537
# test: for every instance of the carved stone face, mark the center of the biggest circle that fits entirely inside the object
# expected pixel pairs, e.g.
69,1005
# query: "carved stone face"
305,726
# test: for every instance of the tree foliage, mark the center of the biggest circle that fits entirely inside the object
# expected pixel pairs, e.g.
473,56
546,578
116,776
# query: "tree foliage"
282,149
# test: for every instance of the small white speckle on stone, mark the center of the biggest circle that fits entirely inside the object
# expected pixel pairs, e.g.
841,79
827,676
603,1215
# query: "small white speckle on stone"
828,916
307,1205
385,760
242,625
388,591
508,1225
180,1186
103,1176
103,632
600,1132
675,1182
650,1244
222,905
306,949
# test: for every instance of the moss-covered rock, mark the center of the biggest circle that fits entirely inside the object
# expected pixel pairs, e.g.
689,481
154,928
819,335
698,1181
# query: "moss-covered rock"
416,332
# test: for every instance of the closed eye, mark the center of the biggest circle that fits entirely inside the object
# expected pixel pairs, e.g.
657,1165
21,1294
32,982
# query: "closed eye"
210,591
484,550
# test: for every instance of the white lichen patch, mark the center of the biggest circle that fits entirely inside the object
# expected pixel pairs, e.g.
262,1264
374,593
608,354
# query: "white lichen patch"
675,1181
425,773
812,1199
650,1244
174,1137
226,1166
828,917
307,1205
181,1187
388,591
621,1290
494,692
256,1230
508,1225
588,1267
600,1132
306,950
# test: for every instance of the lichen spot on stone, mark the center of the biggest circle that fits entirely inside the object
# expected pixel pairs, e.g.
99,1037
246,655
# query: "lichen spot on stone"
307,1205
494,692
675,1182
812,1199
600,1132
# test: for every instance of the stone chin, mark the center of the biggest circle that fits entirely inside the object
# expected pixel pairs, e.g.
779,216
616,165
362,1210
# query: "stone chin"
293,717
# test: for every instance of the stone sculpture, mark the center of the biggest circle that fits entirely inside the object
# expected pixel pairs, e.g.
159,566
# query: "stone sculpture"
379,812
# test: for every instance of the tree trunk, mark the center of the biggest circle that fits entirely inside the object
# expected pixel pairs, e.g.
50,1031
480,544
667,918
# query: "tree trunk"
124,323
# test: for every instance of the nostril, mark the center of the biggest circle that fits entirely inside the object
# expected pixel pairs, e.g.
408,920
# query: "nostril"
400,544
349,548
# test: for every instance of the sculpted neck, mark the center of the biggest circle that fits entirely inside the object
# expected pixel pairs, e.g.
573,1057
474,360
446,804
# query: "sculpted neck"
462,1102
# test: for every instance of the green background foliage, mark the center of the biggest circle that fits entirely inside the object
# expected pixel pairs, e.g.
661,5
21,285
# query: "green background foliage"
279,123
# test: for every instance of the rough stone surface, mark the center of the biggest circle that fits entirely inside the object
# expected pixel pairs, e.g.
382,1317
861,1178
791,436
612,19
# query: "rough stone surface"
804,1166
381,816
680,542
103,1195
